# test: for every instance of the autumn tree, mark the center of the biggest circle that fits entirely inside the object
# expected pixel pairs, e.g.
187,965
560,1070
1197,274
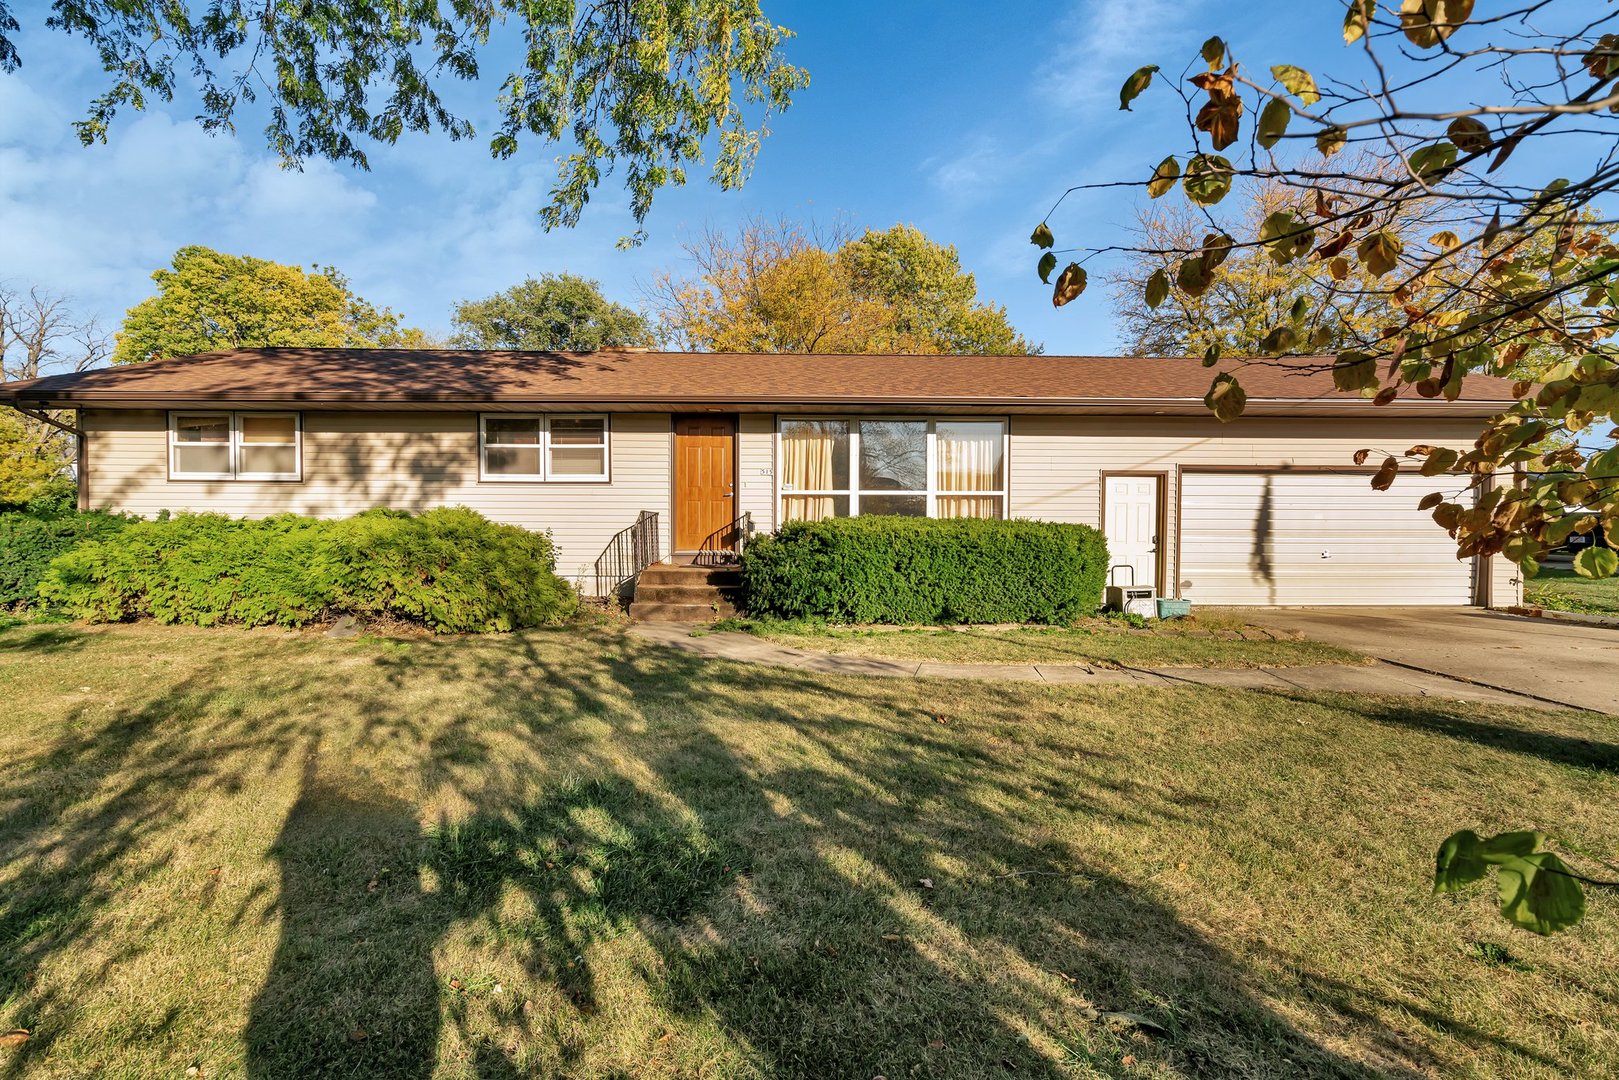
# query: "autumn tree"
40,334
557,312
778,286
649,88
207,301
1473,117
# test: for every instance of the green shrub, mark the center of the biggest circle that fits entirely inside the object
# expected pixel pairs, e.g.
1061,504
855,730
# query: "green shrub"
32,536
450,570
914,570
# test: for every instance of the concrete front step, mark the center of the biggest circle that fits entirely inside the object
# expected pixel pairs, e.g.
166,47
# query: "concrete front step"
657,611
686,594
666,574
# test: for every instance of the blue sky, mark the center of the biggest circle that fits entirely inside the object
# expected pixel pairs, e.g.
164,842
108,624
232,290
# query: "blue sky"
965,120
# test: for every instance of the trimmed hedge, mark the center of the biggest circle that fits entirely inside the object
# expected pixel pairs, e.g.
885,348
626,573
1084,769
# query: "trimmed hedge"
30,537
903,570
450,570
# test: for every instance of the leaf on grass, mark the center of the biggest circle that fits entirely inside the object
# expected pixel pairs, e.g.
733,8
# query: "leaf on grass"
1538,894
1138,81
1136,1020
926,883
14,1037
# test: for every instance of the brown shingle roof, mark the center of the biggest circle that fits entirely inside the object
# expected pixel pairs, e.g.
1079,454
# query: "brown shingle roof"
438,378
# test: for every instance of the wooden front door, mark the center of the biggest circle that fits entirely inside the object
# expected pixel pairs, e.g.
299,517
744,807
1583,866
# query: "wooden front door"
705,481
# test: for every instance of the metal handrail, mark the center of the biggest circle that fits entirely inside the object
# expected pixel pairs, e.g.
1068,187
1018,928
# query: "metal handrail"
724,546
629,552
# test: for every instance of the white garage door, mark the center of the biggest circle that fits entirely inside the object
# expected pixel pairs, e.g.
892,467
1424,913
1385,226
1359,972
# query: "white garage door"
1314,538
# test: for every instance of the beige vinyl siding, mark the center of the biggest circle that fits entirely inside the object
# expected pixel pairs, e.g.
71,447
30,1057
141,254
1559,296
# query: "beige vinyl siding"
1057,461
355,461
756,468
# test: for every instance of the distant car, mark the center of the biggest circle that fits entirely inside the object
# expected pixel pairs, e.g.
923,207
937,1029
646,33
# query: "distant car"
1578,542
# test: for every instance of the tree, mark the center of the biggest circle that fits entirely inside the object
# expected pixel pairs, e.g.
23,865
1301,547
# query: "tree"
1511,263
210,301
40,335
554,312
775,286
628,83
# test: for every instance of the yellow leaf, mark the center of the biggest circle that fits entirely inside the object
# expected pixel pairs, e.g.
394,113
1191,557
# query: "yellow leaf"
1428,22
1164,176
1299,83
1331,140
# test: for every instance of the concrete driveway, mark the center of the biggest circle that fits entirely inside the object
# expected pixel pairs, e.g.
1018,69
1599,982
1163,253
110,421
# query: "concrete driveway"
1566,663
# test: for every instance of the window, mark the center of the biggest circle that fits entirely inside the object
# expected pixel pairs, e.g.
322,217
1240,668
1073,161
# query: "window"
235,446
913,467
559,448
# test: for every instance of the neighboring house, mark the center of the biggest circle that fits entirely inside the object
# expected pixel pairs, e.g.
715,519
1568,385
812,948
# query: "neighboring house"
1269,509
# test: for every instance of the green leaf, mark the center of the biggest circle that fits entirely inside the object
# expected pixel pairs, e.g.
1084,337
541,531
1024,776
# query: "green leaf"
1135,84
1299,83
1157,288
1226,398
1213,50
1070,283
1280,340
1211,355
1538,894
1164,176
1596,562
1048,263
1301,308
1208,179
1273,120
1354,371
1432,162
1286,236
1041,237
1193,277
1510,845
1459,863
1441,461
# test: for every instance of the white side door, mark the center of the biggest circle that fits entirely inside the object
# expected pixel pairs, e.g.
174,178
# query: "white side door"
1132,528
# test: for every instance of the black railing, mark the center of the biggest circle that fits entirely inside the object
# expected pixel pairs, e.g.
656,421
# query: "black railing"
724,546
627,554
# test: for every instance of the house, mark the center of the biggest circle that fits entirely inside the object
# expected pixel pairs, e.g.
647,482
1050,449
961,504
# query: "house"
680,452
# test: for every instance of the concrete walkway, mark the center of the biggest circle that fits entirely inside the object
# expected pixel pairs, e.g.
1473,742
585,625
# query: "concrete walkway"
1370,679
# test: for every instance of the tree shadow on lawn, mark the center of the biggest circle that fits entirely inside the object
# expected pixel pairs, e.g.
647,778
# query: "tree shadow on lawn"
1530,740
741,849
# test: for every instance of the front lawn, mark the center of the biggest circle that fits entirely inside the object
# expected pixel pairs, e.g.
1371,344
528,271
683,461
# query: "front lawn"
569,853
1210,639
1564,590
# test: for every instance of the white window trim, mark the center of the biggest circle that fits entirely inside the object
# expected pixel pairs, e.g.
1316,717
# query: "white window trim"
545,476
234,445
932,493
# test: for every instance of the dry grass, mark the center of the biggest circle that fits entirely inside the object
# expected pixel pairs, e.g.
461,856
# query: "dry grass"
1213,639
567,853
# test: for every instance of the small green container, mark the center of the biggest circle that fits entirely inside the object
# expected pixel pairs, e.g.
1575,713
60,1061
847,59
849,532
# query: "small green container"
1173,609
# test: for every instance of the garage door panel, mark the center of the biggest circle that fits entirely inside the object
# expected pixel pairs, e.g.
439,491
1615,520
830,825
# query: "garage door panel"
1314,538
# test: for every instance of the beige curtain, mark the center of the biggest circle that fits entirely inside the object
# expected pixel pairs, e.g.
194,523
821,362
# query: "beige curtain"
806,465
969,457
969,506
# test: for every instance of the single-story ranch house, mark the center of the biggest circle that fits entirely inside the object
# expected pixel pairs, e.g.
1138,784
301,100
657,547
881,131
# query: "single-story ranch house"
1269,509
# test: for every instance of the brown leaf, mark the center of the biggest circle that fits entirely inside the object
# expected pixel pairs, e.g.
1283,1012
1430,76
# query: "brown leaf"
1383,479
1069,284
1338,268
1336,245
926,883
1420,450
935,1044
1431,500
1429,387
14,1037
1386,395
1470,136
359,1035
892,937
1222,119
1361,456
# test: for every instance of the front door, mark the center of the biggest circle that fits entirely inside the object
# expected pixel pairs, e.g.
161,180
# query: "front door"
1132,527
705,481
